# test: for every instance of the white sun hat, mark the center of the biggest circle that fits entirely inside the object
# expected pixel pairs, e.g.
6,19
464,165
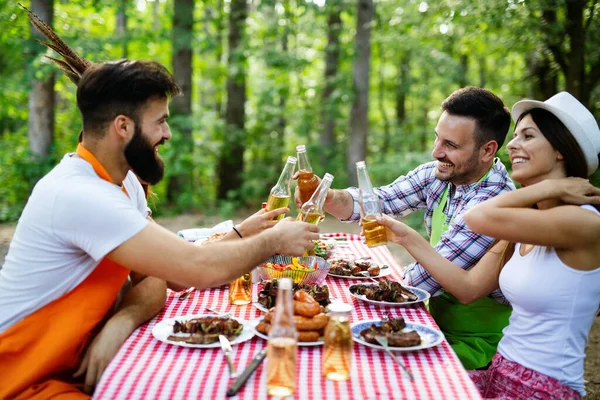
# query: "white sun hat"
578,120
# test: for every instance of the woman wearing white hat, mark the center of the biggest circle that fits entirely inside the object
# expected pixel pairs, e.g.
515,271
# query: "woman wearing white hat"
547,259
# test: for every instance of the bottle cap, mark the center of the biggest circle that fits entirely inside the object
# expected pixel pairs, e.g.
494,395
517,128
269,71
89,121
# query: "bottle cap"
328,177
292,160
339,307
285,283
301,148
360,164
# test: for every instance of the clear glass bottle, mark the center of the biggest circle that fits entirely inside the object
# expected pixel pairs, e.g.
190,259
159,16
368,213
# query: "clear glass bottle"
282,346
312,211
370,208
307,180
337,351
240,290
280,193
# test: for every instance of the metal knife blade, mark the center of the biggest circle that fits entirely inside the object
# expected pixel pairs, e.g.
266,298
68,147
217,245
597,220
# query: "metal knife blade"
226,347
241,380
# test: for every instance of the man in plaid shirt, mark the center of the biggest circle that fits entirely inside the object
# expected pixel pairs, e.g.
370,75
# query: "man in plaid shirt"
471,129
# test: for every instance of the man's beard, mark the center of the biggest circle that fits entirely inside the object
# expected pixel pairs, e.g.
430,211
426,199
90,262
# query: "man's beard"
466,175
142,159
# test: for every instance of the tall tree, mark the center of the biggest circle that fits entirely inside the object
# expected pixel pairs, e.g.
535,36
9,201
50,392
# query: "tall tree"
332,60
121,28
183,31
577,22
41,97
359,119
231,162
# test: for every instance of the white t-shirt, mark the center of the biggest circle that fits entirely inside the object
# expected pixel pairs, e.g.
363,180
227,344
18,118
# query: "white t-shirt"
554,306
72,219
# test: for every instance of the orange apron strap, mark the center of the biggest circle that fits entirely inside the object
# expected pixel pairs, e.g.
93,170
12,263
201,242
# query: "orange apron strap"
51,389
51,341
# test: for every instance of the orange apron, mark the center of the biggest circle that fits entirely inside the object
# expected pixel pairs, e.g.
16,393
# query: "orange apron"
39,354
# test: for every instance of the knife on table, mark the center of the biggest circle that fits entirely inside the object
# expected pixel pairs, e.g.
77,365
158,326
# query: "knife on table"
241,380
226,347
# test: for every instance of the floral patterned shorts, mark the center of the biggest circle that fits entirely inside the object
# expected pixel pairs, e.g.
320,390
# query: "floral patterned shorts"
506,379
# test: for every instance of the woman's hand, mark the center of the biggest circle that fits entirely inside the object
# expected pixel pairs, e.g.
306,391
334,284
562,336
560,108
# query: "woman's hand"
397,231
260,221
576,191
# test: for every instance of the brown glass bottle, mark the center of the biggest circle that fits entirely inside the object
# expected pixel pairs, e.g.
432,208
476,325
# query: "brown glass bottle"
307,180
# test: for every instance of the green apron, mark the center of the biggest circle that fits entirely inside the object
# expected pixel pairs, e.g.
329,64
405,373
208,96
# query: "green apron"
473,330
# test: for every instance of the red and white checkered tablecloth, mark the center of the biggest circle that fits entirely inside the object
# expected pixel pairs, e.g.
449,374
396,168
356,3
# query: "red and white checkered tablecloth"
145,368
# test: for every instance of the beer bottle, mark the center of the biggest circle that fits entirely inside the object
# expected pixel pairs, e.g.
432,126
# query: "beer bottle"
370,208
312,211
307,180
337,351
280,193
282,346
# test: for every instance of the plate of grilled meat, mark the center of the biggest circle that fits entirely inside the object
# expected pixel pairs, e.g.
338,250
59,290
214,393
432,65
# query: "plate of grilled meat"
401,335
202,331
388,293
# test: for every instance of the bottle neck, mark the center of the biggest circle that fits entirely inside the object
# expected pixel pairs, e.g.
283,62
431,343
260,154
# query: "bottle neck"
364,181
318,198
285,179
303,163
367,199
284,310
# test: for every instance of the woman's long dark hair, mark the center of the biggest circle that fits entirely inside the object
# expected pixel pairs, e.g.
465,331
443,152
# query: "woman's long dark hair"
561,140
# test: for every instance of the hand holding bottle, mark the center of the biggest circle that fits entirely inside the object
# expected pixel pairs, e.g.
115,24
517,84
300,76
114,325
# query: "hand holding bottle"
293,237
397,231
259,221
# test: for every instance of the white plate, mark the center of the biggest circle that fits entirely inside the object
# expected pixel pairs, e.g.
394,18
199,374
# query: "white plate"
255,322
260,306
382,272
429,337
421,294
164,329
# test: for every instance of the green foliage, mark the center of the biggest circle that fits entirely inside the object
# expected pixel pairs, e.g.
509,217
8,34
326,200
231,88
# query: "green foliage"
440,45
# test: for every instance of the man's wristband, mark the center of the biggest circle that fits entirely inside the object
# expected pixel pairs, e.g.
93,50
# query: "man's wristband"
238,232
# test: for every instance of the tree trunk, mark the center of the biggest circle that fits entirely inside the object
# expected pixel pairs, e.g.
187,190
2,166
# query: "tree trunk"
387,135
41,98
219,55
544,82
425,133
575,76
571,58
183,31
359,123
463,70
482,71
231,163
155,16
121,28
332,60
284,89
402,88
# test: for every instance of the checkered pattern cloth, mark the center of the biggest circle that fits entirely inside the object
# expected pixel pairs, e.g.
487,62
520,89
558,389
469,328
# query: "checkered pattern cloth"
146,368
420,189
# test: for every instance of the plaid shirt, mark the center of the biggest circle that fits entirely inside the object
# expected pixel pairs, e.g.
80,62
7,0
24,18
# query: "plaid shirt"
421,189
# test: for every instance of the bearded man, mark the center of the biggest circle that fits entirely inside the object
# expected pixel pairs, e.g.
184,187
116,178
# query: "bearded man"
470,131
85,229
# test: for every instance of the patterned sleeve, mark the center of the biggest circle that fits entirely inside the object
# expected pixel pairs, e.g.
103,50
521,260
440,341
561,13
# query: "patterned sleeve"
406,194
458,244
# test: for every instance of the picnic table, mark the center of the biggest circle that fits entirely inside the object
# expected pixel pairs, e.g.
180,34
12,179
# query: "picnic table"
145,368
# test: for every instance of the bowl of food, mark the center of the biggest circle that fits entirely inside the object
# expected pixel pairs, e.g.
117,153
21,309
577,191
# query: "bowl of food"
302,270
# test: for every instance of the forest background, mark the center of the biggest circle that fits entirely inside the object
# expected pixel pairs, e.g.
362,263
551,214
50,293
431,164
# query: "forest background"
352,79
